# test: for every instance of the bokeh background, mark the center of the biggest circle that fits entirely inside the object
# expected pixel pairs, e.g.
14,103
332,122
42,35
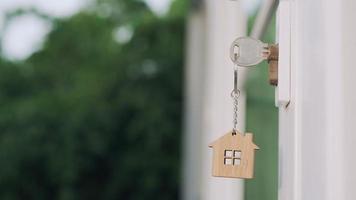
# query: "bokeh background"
91,101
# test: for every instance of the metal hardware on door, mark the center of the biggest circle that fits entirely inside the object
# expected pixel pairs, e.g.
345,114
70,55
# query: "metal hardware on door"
246,52
273,64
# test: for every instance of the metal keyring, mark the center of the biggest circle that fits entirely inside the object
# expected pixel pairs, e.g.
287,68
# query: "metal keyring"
235,94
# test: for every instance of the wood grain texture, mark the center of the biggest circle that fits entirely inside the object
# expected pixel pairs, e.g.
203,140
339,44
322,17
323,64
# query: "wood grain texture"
273,64
244,166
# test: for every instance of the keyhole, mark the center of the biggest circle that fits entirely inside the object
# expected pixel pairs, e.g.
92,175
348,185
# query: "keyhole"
236,52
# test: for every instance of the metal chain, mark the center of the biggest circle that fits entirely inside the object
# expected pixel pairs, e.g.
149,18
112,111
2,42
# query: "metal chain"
235,96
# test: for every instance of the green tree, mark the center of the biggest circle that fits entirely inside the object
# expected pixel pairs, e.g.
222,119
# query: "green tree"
87,117
262,120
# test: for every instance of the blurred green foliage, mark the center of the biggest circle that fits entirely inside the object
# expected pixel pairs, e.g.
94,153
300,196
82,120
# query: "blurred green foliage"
262,120
88,117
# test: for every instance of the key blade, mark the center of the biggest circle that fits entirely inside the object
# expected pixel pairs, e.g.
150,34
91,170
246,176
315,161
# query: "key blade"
246,51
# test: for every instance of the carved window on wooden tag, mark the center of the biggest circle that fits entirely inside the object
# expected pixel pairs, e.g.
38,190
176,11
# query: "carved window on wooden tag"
232,157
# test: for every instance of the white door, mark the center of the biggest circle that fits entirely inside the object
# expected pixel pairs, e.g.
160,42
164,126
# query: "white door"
317,131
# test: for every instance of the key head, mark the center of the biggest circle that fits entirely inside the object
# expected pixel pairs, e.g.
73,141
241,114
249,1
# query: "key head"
246,51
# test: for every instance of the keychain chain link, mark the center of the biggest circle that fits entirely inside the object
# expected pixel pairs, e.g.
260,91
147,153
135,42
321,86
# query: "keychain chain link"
235,96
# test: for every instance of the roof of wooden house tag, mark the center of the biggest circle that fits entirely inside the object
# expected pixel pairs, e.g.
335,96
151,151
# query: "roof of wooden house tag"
234,155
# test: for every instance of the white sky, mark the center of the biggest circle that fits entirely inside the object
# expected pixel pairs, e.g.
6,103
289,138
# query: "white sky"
160,7
25,34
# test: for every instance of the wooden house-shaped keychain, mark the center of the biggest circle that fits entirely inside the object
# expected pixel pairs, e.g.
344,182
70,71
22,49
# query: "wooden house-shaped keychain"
233,155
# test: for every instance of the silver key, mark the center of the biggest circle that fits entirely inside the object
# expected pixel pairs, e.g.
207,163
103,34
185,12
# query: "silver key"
246,51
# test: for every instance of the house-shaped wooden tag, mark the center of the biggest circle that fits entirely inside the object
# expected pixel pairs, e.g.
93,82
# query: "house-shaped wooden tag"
234,155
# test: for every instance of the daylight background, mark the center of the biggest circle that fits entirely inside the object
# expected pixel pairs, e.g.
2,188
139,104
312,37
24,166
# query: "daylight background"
91,101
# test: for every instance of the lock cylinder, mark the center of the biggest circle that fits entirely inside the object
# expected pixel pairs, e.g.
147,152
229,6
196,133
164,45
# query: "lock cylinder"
272,60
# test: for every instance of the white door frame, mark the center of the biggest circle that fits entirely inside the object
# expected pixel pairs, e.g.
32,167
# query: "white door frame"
317,130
